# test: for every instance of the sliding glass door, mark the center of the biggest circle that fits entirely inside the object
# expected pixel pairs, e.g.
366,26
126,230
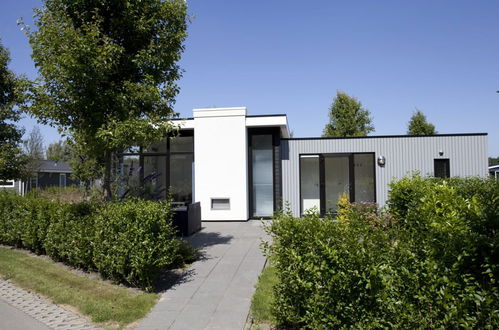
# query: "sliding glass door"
324,178
337,179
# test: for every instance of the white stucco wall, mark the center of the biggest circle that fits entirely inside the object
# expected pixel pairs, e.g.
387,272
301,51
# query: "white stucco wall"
220,162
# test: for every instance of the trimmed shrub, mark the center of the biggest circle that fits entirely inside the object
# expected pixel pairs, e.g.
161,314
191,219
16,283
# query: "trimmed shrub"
130,241
71,235
13,212
134,241
429,262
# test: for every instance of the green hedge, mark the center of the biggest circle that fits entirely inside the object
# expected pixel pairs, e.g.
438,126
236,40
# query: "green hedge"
130,241
429,261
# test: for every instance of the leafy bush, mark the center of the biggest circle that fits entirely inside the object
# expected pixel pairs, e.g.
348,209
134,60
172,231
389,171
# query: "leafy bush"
24,221
430,261
130,241
146,245
71,235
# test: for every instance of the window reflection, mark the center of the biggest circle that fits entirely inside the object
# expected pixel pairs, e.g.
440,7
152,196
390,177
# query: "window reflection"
144,174
155,185
263,183
181,177
158,147
182,144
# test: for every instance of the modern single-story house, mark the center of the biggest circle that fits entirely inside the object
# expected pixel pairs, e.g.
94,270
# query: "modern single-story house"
241,166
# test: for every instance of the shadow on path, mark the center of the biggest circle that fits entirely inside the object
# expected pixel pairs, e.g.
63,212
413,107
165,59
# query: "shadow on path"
200,240
172,278
204,239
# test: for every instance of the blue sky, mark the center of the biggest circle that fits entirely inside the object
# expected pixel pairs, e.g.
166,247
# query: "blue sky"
292,56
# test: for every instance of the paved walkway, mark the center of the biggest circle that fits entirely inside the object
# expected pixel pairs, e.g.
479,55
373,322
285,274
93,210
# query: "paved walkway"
20,309
215,292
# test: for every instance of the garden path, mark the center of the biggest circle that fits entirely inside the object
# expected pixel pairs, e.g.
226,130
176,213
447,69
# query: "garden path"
215,291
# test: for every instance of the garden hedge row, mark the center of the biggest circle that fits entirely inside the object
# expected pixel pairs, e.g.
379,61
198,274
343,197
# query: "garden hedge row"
429,261
130,241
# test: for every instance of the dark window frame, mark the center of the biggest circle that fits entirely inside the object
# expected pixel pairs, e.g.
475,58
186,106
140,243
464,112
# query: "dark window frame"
322,170
441,160
166,154
276,167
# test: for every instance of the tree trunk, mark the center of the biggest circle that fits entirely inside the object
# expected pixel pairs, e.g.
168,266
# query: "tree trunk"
108,195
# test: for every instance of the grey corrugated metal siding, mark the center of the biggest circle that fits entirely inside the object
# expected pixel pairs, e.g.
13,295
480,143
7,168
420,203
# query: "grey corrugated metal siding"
404,155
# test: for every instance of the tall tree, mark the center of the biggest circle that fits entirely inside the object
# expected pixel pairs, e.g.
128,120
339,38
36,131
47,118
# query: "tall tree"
12,160
347,117
33,145
418,125
59,151
108,71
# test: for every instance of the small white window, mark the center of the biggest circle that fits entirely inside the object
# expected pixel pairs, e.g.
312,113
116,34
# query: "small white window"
220,203
62,180
6,183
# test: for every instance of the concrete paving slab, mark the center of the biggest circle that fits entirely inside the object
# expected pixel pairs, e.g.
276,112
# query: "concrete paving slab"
13,319
217,294
19,307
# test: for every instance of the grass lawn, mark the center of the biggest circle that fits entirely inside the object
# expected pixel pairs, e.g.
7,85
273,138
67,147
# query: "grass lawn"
105,303
263,298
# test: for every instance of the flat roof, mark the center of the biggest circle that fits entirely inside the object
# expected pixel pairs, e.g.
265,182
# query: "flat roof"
386,136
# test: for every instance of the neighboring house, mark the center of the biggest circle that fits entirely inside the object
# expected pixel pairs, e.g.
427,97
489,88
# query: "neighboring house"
241,167
13,185
494,171
49,173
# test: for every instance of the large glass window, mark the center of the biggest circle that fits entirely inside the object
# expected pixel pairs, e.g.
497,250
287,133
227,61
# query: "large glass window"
150,172
363,166
325,177
181,168
263,177
337,180
155,181
309,182
128,172
182,144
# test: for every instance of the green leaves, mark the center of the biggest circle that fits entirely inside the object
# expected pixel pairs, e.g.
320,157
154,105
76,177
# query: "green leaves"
107,68
419,126
119,135
430,264
347,117
12,161
130,241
